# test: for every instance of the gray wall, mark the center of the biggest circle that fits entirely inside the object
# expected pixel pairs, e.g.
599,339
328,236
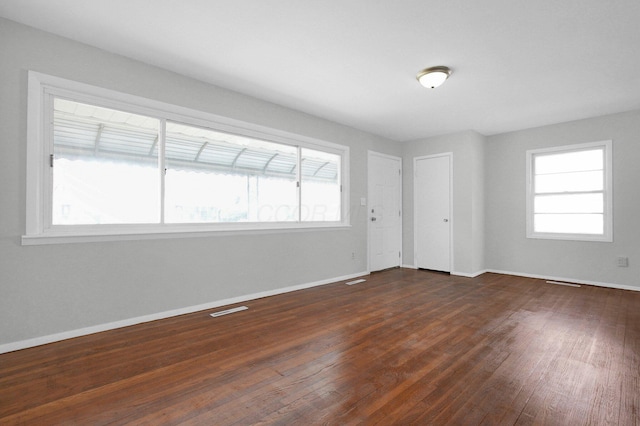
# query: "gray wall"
508,249
57,288
468,197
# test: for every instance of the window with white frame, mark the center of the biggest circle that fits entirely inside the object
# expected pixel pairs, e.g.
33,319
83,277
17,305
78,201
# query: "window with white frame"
569,192
106,163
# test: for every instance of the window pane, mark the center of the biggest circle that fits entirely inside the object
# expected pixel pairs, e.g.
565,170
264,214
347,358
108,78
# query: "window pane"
570,182
218,177
275,200
569,161
573,203
105,171
320,186
592,224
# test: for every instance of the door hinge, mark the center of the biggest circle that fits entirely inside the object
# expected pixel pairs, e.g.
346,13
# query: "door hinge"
399,254
51,160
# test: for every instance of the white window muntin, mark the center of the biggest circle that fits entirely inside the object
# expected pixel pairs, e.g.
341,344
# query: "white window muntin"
43,89
579,189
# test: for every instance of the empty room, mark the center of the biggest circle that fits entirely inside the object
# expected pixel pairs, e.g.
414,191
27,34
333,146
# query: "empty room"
319,212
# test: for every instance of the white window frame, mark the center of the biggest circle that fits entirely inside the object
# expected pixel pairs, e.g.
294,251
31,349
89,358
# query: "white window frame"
607,235
41,89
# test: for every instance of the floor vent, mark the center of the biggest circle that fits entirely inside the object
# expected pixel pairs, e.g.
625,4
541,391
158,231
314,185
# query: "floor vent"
355,282
228,311
561,283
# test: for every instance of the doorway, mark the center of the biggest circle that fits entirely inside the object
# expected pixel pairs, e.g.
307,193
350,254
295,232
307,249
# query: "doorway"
384,211
432,212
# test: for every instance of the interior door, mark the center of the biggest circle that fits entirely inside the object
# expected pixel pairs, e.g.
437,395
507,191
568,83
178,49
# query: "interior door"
432,216
384,211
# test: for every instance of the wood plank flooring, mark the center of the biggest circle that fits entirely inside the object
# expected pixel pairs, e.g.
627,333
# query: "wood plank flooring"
405,347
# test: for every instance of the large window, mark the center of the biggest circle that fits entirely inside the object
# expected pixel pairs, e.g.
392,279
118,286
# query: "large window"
569,192
114,164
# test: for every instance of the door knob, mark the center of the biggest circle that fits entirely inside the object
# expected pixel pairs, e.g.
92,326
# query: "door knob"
445,220
373,219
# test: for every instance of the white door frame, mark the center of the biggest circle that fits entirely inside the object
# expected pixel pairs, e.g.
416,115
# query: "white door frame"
415,208
368,215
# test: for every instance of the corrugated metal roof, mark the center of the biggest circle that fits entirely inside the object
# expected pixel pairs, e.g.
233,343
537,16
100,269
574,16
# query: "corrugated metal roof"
86,131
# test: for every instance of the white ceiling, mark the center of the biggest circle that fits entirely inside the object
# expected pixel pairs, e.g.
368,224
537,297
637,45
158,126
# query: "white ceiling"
516,63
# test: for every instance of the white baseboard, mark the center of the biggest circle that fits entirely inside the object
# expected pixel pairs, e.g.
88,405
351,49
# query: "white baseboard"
408,266
43,340
565,279
468,275
541,277
460,274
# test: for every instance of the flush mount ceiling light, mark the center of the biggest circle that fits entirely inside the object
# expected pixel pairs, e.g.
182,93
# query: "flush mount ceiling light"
434,76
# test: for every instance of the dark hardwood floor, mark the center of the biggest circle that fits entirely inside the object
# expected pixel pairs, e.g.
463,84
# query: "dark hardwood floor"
405,347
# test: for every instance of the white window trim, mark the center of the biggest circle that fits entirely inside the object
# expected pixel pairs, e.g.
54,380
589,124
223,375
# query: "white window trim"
38,192
607,236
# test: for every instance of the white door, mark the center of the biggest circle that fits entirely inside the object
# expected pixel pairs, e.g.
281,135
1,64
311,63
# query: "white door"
384,211
432,216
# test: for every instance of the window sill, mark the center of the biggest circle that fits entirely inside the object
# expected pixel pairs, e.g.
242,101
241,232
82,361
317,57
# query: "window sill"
136,233
571,237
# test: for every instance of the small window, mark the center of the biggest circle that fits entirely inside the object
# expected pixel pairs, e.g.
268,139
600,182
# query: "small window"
569,192
102,163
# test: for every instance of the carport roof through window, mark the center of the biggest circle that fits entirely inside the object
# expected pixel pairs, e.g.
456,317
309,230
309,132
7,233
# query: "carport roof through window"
87,131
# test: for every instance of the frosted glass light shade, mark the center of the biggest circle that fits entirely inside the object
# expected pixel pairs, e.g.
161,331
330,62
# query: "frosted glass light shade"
433,77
